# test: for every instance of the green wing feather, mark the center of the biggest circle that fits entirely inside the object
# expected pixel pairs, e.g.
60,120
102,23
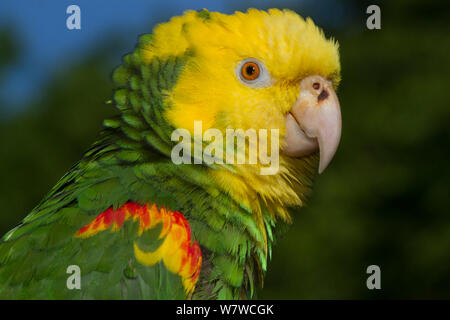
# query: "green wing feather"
131,162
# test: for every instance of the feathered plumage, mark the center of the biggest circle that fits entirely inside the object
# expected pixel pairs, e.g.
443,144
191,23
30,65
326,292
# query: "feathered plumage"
140,226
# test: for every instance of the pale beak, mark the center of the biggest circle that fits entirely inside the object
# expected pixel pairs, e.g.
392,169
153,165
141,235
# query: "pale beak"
314,122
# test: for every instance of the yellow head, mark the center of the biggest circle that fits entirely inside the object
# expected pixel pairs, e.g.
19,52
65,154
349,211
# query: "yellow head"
216,86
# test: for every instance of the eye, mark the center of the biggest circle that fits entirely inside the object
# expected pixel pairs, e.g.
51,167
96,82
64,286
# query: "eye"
252,72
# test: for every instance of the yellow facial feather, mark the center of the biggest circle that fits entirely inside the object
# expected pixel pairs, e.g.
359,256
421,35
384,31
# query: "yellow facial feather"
289,46
209,90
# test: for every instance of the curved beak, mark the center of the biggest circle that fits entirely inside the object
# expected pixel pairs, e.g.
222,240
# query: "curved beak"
314,122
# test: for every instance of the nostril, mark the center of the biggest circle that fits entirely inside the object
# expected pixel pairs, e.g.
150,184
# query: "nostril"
323,95
316,85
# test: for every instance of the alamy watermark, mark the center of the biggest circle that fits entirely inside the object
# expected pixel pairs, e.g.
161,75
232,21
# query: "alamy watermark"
73,22
74,280
374,20
241,147
374,280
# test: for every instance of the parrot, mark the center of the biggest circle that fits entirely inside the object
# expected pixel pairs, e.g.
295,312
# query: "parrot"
131,220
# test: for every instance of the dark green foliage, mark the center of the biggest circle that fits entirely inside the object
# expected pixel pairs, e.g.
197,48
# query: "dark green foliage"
384,199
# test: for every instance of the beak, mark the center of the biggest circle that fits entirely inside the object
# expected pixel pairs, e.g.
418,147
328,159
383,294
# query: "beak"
314,122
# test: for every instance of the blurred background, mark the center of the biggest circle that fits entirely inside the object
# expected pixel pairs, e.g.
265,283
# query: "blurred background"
384,200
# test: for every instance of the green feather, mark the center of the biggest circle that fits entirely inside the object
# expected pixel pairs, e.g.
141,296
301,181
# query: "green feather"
130,161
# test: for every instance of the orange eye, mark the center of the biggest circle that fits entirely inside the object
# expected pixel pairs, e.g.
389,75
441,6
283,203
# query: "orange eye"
250,71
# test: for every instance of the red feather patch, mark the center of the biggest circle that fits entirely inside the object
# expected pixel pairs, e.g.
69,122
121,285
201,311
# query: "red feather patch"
179,254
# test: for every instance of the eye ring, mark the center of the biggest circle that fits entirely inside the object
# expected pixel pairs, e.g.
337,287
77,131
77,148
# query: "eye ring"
252,72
